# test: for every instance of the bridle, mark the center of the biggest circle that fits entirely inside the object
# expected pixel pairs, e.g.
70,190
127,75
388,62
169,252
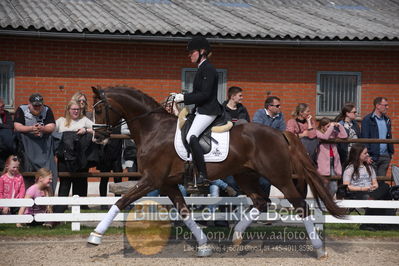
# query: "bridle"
107,126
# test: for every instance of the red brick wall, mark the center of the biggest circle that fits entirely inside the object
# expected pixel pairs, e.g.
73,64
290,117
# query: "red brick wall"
290,73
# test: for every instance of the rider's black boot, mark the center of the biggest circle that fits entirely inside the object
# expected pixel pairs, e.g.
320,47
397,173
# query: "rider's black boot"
198,159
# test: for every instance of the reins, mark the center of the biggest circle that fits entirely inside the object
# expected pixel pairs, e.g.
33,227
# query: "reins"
108,107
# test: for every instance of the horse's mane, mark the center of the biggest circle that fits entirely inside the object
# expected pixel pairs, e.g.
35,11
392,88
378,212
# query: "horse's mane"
140,96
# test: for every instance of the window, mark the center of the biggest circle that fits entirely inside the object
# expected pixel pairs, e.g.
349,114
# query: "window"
7,83
188,79
334,89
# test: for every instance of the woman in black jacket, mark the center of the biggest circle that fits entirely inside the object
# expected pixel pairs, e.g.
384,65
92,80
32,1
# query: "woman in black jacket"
204,96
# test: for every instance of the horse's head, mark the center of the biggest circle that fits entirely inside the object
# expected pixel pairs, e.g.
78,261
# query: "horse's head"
105,117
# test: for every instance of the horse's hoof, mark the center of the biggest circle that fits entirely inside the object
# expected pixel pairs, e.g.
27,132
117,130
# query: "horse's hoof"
204,251
321,253
94,239
237,238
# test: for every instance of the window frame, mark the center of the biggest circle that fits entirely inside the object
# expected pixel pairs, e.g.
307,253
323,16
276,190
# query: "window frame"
10,100
222,92
319,94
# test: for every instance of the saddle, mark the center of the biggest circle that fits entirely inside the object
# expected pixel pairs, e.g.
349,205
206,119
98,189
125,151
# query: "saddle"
220,124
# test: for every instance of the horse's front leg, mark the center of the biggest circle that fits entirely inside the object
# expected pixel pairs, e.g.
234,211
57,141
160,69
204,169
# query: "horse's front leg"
138,191
175,195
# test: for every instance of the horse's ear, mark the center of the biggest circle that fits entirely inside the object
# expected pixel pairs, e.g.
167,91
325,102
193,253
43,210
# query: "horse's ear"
95,91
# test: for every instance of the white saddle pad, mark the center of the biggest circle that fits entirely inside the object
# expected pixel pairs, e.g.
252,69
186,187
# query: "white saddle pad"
218,152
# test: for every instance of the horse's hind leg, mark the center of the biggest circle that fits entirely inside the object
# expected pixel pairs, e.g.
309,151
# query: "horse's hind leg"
249,184
299,203
138,191
173,192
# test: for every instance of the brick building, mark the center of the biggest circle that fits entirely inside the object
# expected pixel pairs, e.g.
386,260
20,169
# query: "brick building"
321,54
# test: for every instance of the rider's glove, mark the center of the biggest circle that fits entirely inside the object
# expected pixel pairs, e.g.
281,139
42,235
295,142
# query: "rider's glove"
179,97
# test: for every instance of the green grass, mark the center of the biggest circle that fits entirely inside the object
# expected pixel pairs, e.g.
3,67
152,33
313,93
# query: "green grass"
352,230
64,229
331,230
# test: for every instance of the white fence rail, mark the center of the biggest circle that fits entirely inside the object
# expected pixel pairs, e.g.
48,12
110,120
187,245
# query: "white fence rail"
76,217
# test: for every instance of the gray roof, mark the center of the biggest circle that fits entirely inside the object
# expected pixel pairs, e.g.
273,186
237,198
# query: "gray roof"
230,19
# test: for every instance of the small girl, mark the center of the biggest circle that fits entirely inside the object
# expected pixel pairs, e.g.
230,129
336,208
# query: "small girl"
11,183
328,161
41,188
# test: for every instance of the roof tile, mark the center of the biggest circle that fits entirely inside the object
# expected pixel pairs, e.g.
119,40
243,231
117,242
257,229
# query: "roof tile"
253,19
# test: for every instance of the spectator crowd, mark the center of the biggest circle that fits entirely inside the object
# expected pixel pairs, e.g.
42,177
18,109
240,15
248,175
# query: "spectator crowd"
33,141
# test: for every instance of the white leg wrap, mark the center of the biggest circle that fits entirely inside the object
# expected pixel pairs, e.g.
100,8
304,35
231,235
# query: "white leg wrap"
313,236
252,215
196,230
106,222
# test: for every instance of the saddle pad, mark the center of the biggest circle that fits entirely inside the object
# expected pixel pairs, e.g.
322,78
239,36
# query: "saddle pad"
218,152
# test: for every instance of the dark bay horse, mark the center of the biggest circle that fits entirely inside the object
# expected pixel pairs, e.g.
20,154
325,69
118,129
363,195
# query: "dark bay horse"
255,150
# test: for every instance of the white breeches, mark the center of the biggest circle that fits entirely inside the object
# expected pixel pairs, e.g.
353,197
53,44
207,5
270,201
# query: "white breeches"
200,123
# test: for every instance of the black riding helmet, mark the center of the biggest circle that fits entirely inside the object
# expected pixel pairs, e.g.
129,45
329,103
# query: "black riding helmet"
198,43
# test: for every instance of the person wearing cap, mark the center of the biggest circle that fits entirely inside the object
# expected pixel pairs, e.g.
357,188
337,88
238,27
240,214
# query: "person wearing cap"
204,97
35,117
34,122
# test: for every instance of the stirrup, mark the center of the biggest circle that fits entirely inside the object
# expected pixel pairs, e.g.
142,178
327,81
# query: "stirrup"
94,238
200,180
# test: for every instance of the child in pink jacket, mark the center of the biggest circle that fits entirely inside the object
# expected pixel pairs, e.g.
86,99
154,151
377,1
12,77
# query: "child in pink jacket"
328,161
11,184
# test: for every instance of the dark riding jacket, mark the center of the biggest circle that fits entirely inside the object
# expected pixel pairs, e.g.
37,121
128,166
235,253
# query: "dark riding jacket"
205,90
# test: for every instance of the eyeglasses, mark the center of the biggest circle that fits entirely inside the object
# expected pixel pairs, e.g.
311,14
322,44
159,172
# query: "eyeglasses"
276,105
83,101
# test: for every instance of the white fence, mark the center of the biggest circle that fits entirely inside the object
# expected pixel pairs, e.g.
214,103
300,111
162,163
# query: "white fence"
76,216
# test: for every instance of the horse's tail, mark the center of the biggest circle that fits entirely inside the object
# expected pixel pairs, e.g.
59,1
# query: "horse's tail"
305,170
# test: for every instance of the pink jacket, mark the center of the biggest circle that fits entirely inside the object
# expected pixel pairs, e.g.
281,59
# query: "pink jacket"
323,158
298,128
12,188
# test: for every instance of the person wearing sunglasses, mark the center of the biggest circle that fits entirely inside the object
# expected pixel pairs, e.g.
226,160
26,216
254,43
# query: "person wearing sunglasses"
271,115
347,118
81,99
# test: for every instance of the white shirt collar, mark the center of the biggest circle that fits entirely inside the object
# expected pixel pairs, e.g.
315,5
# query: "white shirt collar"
267,113
201,63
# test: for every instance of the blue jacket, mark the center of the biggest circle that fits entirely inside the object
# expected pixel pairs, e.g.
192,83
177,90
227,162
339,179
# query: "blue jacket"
262,118
370,130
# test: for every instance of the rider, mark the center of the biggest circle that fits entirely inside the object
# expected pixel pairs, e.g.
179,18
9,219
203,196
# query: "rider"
204,96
